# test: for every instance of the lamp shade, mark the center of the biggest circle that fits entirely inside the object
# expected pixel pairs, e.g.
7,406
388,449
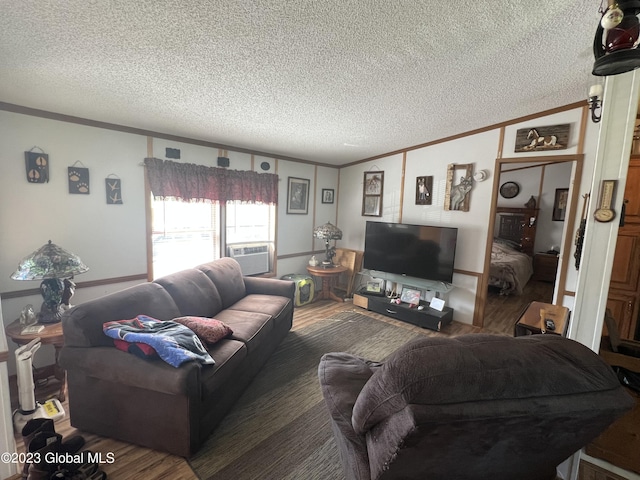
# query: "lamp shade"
49,261
327,232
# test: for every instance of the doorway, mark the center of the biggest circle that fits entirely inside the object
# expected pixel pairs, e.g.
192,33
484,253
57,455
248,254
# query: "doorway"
538,199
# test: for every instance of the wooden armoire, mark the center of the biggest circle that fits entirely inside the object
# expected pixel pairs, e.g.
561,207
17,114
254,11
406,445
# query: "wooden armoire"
624,291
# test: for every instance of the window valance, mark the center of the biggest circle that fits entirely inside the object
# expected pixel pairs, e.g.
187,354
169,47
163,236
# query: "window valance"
190,182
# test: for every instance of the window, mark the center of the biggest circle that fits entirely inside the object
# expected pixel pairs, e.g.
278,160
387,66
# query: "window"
186,234
249,222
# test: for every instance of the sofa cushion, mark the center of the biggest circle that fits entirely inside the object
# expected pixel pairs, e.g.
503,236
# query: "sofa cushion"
229,356
194,293
209,330
225,273
268,304
251,328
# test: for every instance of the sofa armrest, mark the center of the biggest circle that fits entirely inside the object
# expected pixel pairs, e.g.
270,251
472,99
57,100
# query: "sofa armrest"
113,365
270,286
342,377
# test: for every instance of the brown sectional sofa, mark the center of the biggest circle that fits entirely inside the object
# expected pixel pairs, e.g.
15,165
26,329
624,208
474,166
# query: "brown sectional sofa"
148,402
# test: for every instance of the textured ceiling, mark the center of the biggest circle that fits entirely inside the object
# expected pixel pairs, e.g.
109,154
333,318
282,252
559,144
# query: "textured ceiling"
331,81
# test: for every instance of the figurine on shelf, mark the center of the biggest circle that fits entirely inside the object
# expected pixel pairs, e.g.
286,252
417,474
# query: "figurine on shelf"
27,316
531,203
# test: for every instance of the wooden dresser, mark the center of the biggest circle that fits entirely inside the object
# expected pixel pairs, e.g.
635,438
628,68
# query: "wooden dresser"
545,266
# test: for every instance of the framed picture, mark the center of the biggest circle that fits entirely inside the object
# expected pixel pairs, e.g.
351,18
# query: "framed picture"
298,196
327,195
374,287
560,204
411,296
459,184
372,190
424,189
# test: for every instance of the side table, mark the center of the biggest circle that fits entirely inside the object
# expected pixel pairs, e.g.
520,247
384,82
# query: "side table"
51,335
328,275
532,319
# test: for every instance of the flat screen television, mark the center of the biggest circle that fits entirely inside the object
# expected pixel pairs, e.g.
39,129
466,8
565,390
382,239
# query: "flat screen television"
419,251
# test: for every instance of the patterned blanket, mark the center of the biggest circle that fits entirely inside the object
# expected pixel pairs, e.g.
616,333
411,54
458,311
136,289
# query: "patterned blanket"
174,343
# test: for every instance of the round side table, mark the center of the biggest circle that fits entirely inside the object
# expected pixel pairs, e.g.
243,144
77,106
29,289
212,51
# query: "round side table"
51,335
328,275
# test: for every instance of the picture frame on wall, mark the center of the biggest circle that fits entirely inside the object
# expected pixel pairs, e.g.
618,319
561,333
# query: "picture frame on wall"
298,196
459,185
424,189
560,204
372,190
327,195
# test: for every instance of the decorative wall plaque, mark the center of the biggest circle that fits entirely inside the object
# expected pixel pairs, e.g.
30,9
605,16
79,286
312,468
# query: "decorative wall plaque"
114,190
37,164
78,180
554,137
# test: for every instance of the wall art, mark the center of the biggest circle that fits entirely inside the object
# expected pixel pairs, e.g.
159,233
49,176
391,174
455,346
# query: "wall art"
554,137
372,190
327,195
113,187
560,204
424,189
298,196
37,165
78,179
456,195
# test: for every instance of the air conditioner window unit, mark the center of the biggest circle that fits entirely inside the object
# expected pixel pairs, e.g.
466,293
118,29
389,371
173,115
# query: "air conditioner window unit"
253,258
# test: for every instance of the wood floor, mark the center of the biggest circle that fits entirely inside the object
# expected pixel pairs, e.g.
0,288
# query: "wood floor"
133,462
502,311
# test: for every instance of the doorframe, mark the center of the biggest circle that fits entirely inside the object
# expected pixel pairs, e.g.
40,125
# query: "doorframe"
576,173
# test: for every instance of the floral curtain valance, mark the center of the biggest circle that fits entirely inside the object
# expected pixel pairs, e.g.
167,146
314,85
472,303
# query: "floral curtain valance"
190,182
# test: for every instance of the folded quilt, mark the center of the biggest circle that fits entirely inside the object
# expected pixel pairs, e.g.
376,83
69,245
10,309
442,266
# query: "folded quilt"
174,343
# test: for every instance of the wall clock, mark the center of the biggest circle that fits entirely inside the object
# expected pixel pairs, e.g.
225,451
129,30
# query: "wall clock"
509,189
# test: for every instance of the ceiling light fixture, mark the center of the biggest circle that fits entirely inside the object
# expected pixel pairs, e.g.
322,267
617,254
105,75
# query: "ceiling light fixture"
616,40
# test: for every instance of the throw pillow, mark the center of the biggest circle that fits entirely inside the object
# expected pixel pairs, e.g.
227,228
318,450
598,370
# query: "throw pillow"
209,330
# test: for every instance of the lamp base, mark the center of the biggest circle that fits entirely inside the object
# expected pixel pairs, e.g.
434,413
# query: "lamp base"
49,314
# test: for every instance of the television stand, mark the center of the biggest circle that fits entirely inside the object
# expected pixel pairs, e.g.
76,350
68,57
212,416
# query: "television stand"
426,318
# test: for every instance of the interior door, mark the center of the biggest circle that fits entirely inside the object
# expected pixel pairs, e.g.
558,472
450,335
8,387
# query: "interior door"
624,290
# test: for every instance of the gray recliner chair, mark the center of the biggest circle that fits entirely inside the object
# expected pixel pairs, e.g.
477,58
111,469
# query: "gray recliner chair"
472,407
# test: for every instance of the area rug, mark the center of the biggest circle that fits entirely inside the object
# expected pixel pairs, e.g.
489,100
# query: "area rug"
279,429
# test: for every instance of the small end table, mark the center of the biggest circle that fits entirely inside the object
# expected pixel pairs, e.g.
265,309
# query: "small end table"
532,319
328,275
51,335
